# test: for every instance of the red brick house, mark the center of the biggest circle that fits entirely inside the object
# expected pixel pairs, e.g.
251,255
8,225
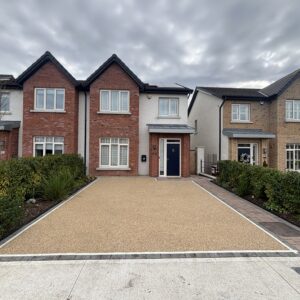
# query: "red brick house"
117,123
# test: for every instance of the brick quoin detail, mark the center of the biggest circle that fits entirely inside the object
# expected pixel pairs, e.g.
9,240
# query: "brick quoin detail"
154,153
50,123
114,125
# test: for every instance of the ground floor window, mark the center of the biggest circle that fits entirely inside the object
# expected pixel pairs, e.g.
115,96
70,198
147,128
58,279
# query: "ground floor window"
2,146
46,145
293,157
114,152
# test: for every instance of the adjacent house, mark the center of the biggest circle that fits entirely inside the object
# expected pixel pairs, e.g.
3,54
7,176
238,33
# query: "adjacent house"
116,122
256,126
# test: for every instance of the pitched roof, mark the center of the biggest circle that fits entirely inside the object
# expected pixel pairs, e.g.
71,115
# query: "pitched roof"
222,92
114,59
8,82
280,85
46,57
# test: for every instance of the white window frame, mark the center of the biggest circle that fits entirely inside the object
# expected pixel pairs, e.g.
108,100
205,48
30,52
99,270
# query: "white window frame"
45,142
1,108
293,119
109,144
293,150
238,120
45,95
168,115
119,111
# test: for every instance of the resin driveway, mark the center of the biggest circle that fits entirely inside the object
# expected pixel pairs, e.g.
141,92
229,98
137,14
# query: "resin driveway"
141,214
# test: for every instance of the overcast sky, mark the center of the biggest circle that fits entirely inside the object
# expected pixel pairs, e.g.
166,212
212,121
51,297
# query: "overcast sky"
201,42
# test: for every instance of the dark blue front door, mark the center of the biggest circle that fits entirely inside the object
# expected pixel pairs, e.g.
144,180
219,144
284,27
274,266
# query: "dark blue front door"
173,161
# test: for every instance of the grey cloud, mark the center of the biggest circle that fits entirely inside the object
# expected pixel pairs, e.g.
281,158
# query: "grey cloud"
204,42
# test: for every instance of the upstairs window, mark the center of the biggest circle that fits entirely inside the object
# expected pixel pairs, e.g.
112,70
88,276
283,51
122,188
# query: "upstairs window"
240,112
48,99
47,145
292,110
168,107
113,101
4,102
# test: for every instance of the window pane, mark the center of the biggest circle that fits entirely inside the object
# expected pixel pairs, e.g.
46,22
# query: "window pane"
114,155
49,139
39,139
58,149
49,148
123,155
289,110
297,110
4,102
104,100
104,155
244,112
174,107
124,101
161,157
123,141
2,146
235,112
114,140
39,98
60,99
58,139
50,99
114,101
163,107
38,149
105,140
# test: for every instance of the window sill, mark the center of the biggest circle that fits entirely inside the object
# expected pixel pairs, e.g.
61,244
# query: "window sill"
241,122
113,169
48,111
168,117
4,113
292,121
112,113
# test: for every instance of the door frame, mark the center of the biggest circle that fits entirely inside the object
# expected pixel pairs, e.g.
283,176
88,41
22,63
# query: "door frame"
251,152
165,143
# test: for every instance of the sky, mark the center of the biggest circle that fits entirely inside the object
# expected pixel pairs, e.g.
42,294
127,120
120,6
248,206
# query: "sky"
235,43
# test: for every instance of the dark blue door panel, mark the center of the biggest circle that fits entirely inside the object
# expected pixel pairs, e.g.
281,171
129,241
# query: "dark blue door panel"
173,161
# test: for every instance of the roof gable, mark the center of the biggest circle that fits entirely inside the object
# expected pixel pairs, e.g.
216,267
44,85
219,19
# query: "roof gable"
280,85
45,58
114,59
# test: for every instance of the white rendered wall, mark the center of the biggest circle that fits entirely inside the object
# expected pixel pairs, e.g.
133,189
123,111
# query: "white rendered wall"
15,112
206,111
149,115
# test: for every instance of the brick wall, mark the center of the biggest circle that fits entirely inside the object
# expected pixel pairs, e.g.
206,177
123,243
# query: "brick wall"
154,153
114,125
50,123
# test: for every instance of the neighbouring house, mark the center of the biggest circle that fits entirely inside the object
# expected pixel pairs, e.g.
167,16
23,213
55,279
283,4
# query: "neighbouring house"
116,122
256,126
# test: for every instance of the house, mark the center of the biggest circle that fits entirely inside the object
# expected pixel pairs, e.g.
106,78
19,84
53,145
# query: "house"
257,126
116,122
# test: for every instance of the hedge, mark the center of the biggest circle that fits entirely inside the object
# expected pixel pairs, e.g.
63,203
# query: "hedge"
25,178
280,191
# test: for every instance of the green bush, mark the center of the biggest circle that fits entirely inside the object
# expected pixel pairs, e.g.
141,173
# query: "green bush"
51,177
58,184
279,190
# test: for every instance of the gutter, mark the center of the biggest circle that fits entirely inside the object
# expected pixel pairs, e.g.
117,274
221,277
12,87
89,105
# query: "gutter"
220,129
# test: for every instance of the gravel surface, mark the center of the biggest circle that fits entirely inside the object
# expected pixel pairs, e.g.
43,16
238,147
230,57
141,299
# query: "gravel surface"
141,214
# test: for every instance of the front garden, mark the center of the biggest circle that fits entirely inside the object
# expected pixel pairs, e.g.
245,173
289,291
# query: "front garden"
30,186
276,191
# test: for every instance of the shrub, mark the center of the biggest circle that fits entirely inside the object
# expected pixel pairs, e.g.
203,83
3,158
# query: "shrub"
58,185
280,190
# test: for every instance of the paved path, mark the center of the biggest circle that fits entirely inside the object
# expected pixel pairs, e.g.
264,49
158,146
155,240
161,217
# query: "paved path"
234,278
286,232
141,214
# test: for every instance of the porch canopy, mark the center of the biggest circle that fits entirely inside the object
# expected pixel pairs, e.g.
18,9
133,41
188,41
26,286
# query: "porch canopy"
170,128
9,125
248,133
